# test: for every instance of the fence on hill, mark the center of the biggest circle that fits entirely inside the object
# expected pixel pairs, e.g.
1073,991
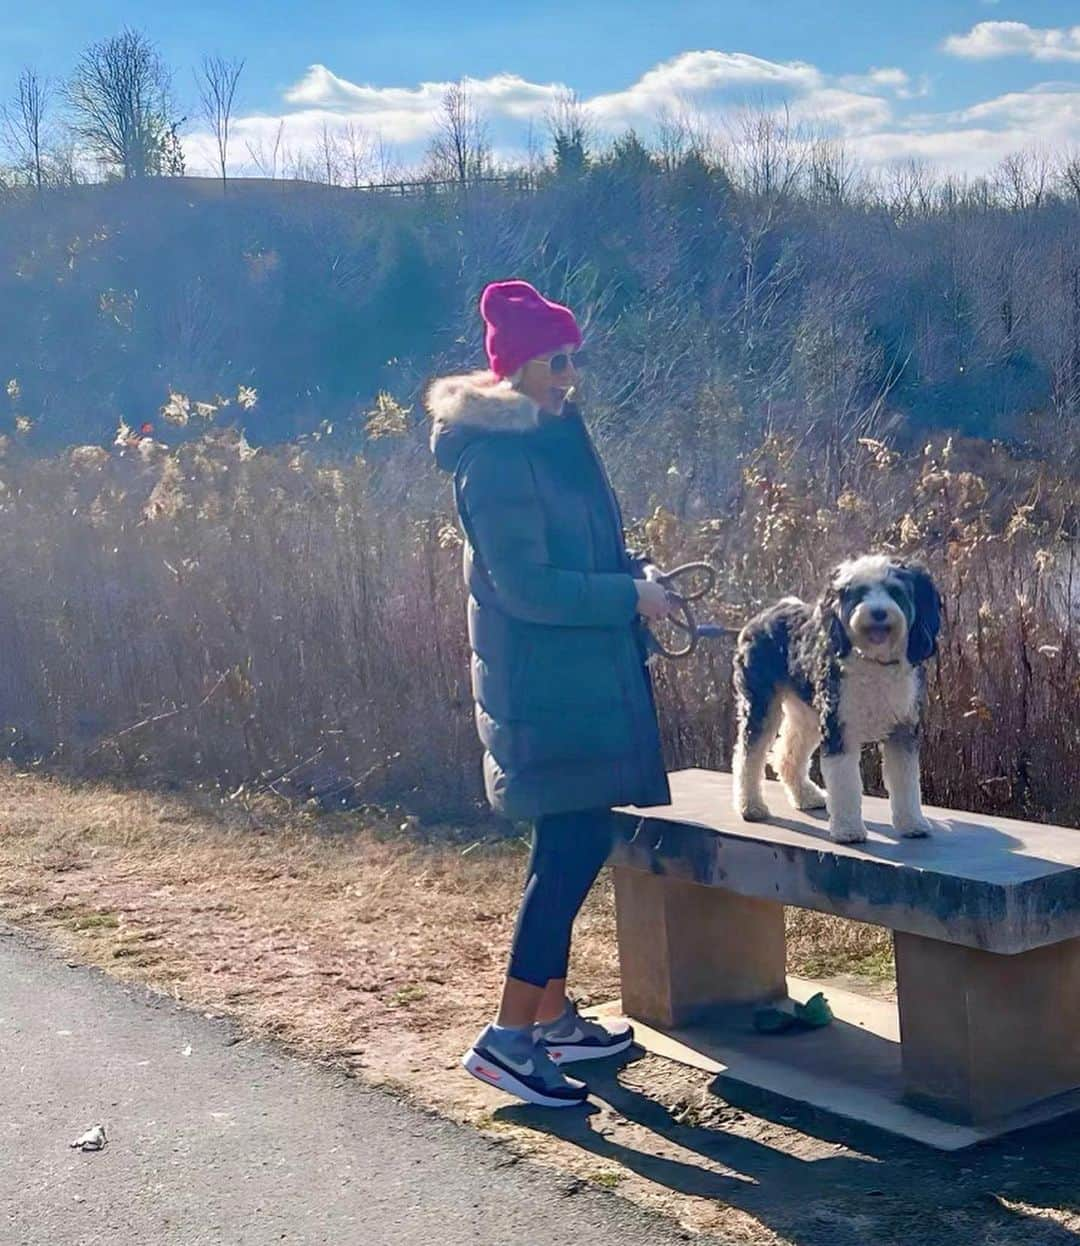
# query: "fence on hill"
522,183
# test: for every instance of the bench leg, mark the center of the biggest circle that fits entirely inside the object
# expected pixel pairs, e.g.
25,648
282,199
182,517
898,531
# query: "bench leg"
685,948
983,1035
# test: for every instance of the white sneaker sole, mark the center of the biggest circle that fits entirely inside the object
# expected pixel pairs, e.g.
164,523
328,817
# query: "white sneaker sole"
502,1079
574,1055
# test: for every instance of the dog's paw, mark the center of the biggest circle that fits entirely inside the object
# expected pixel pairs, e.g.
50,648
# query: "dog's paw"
916,828
808,797
754,811
848,833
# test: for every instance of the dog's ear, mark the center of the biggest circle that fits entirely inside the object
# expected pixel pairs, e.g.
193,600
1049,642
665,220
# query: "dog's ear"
923,632
832,624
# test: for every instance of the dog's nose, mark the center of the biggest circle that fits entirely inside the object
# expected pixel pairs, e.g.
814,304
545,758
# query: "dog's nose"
879,614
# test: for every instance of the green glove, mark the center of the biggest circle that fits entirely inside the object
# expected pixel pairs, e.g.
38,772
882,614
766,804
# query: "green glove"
812,1015
815,1013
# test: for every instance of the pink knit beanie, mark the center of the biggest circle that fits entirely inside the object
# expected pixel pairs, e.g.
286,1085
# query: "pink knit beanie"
522,324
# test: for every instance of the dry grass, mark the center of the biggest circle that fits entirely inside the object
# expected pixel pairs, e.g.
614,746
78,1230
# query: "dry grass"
354,939
321,933
244,620
332,933
820,946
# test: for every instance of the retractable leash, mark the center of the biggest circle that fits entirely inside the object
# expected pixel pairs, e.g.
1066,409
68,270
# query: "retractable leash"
684,619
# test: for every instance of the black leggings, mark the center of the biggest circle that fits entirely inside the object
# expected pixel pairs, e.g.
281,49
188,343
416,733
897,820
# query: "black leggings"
568,852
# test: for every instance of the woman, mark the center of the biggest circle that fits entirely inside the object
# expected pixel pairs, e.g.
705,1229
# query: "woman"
564,704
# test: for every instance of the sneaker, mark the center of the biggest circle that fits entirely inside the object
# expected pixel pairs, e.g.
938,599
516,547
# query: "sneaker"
512,1060
574,1037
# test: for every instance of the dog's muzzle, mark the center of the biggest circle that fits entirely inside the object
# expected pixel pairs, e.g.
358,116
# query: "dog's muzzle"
877,628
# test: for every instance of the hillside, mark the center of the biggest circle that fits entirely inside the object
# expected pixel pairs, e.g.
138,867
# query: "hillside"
720,307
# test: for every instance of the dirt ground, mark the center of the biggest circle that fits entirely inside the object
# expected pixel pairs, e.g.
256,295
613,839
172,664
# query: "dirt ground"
368,942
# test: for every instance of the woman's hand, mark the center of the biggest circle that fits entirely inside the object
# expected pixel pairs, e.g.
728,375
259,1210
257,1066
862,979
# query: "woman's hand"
653,600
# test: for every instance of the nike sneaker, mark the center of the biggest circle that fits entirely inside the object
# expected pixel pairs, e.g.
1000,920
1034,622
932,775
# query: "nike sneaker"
574,1037
512,1060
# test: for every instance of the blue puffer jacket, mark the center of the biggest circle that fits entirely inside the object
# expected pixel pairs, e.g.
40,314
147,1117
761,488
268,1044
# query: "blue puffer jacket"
564,702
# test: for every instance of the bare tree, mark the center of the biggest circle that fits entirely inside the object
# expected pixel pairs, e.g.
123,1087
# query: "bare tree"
63,163
460,150
673,139
1020,180
217,81
571,134
534,154
1068,175
767,161
329,162
386,160
831,175
267,162
356,153
300,164
122,109
683,134
979,194
770,154
908,190
24,123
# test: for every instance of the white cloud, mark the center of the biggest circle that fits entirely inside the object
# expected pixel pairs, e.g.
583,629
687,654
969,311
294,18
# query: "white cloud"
889,78
398,111
705,83
705,78
971,151
1045,114
987,40
1052,107
972,140
841,112
869,110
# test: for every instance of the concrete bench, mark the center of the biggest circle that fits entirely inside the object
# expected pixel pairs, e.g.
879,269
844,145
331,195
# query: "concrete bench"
985,918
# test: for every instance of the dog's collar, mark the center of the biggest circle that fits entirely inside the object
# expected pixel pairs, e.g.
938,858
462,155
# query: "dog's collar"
866,658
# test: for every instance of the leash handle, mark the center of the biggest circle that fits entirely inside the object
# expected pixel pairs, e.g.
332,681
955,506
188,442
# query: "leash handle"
668,578
684,619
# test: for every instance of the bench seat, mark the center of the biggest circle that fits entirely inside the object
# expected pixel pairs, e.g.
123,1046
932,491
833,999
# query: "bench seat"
985,916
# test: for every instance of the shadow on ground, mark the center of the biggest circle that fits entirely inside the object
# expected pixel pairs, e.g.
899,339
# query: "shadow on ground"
816,1180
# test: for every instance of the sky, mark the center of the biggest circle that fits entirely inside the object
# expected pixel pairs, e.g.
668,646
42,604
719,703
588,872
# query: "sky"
956,83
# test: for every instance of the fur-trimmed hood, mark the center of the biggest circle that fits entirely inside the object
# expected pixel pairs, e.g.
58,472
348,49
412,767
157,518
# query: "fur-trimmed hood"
477,404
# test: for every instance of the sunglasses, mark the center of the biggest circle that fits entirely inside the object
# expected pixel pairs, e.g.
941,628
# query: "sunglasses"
564,359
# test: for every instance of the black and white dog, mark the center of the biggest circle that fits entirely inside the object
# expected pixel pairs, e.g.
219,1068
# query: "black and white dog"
843,673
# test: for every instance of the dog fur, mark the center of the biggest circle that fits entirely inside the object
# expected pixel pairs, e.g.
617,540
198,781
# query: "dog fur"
845,672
